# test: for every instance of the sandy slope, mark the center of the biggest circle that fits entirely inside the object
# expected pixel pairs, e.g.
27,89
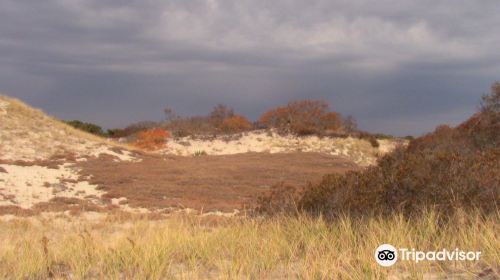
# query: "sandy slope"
28,134
28,140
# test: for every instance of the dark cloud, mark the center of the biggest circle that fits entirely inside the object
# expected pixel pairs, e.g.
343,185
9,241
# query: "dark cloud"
400,67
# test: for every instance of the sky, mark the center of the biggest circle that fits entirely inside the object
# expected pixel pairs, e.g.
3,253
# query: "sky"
399,67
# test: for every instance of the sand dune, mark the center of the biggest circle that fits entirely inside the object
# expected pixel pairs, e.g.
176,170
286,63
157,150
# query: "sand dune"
43,159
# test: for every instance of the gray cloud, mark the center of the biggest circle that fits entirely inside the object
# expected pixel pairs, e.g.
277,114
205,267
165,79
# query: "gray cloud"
399,66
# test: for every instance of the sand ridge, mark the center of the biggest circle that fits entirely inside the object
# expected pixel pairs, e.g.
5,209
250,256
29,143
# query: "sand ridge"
28,134
262,141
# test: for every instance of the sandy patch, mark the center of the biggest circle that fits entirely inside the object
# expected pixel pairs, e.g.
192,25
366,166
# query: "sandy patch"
119,154
358,150
25,186
41,147
3,107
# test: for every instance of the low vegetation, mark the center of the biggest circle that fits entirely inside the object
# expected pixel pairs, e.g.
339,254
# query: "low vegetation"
449,169
222,120
87,127
303,117
236,123
152,139
132,129
243,248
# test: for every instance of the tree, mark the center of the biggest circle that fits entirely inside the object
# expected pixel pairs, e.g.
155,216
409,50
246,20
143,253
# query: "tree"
170,114
490,103
220,113
350,124
302,117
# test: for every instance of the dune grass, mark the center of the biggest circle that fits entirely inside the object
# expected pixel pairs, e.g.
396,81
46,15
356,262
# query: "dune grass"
241,248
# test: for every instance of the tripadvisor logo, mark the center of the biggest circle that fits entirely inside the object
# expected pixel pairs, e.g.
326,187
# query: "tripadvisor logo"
387,255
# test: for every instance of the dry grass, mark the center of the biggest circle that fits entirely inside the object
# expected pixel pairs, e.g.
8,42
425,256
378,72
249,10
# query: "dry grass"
211,183
246,248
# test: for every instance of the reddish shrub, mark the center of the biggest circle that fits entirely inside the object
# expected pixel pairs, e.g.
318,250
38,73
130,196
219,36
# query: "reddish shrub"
302,117
222,119
152,139
449,169
235,123
332,121
277,118
410,181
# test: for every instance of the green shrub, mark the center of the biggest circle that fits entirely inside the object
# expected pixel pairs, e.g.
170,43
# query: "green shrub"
87,127
200,153
132,129
409,137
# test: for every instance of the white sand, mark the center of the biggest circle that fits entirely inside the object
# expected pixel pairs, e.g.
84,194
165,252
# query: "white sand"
102,149
3,107
360,151
25,186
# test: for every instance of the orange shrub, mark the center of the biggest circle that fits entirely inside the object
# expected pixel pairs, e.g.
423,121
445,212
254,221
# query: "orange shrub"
236,123
152,139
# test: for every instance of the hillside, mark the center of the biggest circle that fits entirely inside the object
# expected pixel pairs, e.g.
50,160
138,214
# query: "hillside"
28,134
47,165
36,156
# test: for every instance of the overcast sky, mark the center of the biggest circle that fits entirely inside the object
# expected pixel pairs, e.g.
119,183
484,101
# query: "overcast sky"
399,67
